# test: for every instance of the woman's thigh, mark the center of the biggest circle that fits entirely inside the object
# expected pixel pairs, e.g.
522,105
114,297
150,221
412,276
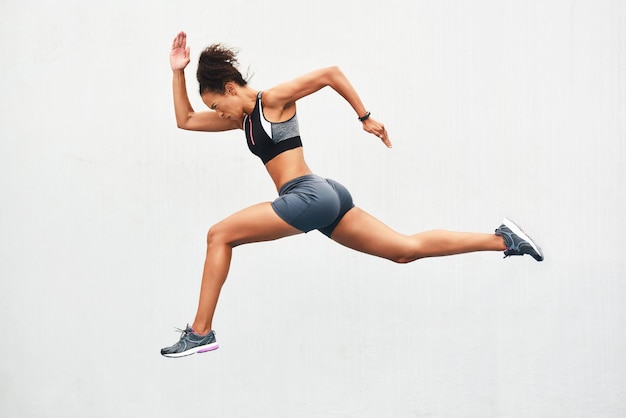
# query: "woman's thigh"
252,224
362,232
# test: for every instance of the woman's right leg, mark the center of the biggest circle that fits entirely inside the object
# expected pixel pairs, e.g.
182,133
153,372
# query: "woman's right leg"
254,224
362,232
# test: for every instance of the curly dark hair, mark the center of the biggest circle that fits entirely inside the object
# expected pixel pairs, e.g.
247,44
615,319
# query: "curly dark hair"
217,66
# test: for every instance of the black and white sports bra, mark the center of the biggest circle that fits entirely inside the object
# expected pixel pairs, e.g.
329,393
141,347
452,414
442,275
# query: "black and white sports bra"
268,139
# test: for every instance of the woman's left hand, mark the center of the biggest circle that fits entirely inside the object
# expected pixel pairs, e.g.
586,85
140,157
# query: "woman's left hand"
374,127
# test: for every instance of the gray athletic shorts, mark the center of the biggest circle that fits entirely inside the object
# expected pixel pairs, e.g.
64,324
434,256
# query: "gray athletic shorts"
313,202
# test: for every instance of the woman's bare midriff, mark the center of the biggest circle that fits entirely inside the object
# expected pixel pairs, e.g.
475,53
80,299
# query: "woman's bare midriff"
287,166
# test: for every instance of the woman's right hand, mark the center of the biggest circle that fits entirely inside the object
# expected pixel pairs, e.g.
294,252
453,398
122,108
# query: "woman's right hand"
374,127
179,55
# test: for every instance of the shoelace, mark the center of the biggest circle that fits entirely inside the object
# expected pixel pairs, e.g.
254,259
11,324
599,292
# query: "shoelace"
187,331
184,332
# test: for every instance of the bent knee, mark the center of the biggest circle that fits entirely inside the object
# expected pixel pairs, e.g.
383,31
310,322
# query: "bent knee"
411,251
217,234
405,258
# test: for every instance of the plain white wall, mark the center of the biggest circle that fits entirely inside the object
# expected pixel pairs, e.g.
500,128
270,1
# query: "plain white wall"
495,109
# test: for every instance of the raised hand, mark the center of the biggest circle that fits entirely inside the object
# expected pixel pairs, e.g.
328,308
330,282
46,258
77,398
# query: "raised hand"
374,127
179,55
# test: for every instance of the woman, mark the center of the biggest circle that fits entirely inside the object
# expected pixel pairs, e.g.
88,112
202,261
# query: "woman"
306,201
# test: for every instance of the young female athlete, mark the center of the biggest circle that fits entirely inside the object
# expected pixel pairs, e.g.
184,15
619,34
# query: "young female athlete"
305,201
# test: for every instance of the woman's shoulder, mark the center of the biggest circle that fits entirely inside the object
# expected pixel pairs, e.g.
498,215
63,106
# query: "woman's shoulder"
274,108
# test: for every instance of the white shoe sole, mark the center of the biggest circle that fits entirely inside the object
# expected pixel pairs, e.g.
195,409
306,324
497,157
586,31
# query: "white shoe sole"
200,349
518,231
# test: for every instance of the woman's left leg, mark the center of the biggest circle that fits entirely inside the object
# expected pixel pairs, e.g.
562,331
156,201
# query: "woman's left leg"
253,224
362,232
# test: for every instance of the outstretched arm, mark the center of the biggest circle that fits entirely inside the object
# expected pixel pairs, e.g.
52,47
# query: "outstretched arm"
286,94
186,117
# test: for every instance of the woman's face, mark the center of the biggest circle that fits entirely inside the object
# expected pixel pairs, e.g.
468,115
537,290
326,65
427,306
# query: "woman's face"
227,105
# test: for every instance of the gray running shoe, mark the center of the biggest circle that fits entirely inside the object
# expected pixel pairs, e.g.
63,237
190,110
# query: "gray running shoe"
191,343
517,242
